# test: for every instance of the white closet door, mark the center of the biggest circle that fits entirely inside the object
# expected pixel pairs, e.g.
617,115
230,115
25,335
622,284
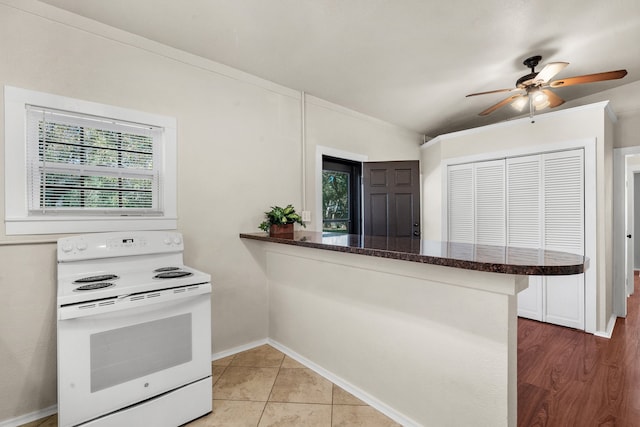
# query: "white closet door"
460,203
524,223
489,188
563,186
532,201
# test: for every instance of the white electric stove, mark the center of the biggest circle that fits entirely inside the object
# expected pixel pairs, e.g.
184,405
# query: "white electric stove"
134,331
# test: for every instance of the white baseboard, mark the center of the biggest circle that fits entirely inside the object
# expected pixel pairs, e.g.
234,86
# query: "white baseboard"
360,394
610,325
236,350
27,418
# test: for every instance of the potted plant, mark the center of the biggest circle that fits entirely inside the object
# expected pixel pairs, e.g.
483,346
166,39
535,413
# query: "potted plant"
279,221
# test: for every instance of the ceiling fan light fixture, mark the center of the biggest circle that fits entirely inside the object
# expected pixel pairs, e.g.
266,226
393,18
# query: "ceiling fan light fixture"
539,99
542,106
520,103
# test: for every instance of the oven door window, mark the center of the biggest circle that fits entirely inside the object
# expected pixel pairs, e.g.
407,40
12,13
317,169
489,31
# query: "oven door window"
131,352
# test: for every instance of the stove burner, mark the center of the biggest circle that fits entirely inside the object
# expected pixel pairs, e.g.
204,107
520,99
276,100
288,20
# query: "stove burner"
160,270
100,278
92,286
172,274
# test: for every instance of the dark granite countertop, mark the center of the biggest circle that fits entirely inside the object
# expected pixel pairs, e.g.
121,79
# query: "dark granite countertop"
497,259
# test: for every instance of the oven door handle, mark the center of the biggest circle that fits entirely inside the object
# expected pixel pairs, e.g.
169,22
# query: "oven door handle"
125,302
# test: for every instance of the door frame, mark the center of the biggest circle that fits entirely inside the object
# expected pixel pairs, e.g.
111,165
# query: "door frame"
629,225
340,154
620,277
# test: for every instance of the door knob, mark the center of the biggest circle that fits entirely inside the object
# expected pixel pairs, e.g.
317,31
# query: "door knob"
628,236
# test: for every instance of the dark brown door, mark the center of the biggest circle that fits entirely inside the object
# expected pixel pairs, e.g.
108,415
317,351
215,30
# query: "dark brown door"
392,198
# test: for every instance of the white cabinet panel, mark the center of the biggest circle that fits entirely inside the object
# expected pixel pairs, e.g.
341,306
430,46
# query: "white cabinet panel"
530,301
524,202
564,300
489,203
476,203
564,201
460,203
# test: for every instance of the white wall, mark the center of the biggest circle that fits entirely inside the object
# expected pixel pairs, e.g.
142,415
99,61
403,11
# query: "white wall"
239,151
625,103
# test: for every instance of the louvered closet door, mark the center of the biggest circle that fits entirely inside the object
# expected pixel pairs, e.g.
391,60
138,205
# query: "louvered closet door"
460,203
489,186
524,223
563,186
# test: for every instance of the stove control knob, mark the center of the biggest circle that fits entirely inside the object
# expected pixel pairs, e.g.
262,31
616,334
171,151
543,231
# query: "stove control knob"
177,239
81,245
67,247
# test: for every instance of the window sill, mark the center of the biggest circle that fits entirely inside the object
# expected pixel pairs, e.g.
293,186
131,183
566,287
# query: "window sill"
26,226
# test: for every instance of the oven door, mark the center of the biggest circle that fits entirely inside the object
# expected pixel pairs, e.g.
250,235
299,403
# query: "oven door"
113,359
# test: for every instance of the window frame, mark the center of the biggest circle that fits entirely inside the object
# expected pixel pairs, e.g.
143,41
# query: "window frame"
19,221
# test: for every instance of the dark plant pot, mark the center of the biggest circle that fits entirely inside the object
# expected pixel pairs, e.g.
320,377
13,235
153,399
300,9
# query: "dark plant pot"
282,231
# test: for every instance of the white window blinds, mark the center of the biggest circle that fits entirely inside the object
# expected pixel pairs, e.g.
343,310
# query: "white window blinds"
81,163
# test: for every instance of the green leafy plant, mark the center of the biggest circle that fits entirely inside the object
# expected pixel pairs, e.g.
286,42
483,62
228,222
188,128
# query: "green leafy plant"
280,216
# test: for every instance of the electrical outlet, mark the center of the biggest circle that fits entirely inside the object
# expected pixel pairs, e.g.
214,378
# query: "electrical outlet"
306,216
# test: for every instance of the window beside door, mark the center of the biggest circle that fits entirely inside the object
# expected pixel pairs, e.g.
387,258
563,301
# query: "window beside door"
341,211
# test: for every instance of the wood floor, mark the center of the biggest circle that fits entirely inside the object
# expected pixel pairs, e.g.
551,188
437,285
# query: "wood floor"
570,378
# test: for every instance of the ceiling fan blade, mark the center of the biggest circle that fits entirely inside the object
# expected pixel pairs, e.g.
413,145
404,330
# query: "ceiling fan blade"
500,104
554,100
491,91
589,78
550,70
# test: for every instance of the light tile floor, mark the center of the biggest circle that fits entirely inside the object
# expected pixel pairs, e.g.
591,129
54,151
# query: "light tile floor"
263,387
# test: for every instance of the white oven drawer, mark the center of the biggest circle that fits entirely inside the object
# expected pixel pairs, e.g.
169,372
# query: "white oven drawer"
119,357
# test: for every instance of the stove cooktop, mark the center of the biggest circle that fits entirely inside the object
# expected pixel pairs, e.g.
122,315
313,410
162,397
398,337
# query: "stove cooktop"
116,264
100,285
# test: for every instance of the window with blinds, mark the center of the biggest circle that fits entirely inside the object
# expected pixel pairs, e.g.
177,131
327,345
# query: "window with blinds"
76,166
87,164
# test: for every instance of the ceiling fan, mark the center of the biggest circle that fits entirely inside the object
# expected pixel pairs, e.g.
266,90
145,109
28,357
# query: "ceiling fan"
534,88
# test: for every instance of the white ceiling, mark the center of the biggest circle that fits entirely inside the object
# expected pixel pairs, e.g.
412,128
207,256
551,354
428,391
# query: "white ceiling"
409,62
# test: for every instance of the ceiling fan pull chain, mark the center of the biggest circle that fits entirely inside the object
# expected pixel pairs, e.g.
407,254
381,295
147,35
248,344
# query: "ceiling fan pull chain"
531,108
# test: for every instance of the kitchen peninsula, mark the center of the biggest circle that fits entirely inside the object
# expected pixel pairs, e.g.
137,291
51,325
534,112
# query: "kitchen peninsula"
425,331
